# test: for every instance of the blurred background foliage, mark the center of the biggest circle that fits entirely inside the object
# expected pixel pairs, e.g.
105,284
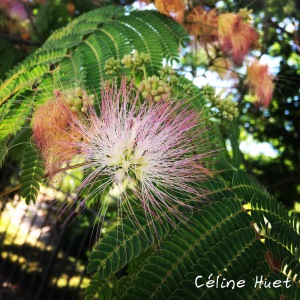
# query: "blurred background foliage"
25,25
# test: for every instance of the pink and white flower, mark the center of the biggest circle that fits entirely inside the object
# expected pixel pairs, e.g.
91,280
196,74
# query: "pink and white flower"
148,155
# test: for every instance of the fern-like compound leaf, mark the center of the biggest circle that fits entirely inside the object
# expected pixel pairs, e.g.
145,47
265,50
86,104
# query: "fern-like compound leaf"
13,113
181,251
31,175
3,153
125,242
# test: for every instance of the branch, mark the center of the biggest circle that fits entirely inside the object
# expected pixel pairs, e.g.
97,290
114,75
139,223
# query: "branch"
29,13
17,187
283,181
19,41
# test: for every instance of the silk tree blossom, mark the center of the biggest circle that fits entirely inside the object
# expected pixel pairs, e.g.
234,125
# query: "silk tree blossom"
237,37
52,124
172,8
260,82
203,24
148,154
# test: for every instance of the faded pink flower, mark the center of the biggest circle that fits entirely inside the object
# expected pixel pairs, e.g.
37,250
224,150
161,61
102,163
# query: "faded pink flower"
260,82
152,151
172,8
237,37
18,11
52,124
203,24
15,8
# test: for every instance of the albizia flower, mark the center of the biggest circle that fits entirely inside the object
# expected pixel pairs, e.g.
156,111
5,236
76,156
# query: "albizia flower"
203,24
52,125
236,36
15,9
172,8
260,82
152,152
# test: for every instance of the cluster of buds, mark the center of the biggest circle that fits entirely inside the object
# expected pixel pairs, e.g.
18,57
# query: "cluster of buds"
245,14
78,100
226,106
187,87
169,75
136,60
154,88
112,67
208,91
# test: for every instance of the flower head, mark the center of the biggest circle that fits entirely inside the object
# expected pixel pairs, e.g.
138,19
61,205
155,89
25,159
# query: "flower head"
172,8
52,127
236,36
203,24
15,9
150,152
260,82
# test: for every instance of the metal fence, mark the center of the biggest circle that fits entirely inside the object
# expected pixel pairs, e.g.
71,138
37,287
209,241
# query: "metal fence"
40,258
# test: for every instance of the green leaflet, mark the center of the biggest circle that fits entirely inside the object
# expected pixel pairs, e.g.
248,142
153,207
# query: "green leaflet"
76,54
31,175
72,34
69,72
282,241
266,209
96,53
13,113
126,241
113,288
220,240
22,80
167,39
181,251
3,153
234,141
43,57
246,186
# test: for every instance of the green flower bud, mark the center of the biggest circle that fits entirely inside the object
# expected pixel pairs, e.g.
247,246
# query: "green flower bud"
77,102
69,100
112,66
78,91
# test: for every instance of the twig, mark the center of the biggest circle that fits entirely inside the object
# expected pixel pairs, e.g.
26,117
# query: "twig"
17,187
283,181
18,40
29,13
